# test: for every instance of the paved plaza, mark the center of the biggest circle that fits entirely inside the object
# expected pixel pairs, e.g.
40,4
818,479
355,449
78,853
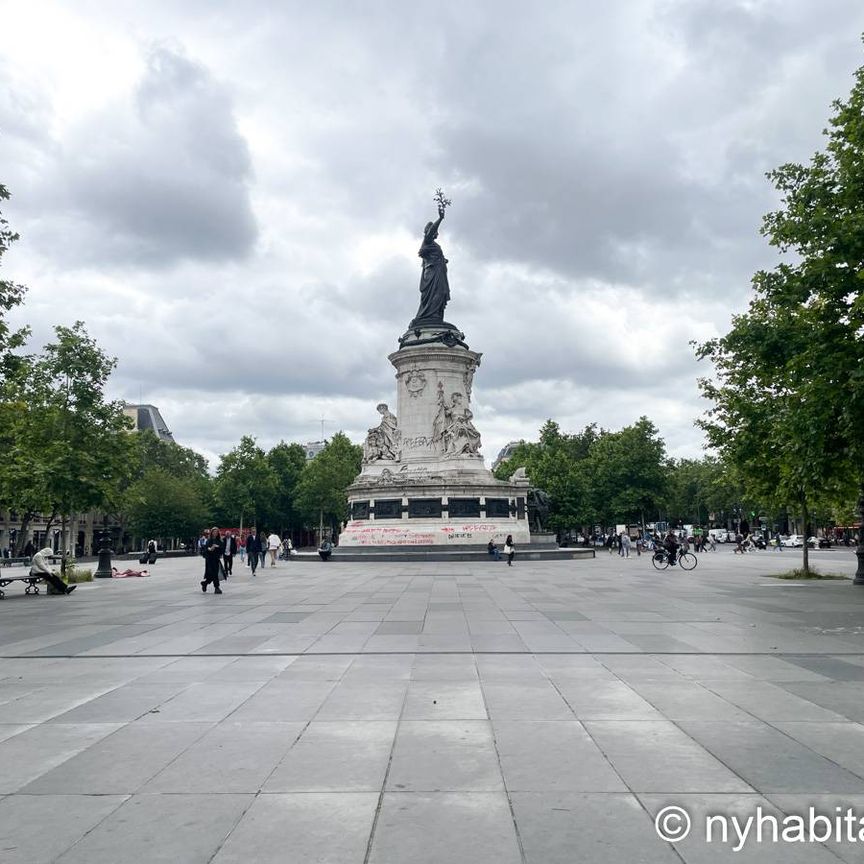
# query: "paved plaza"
446,713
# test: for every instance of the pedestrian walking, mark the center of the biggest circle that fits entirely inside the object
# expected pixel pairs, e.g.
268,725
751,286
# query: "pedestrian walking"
228,553
253,550
262,554
212,561
625,544
509,550
273,544
242,552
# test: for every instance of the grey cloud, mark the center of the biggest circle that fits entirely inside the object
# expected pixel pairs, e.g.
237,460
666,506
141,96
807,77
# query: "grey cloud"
605,160
160,179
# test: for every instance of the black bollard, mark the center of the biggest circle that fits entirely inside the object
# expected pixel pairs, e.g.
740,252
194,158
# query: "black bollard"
103,571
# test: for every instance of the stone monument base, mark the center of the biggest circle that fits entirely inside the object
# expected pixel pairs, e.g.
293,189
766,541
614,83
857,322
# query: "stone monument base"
432,534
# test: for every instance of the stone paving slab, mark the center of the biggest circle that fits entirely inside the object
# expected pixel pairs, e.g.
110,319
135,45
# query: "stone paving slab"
419,712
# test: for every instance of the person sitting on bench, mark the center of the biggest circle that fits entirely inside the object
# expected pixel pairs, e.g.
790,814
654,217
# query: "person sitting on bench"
39,568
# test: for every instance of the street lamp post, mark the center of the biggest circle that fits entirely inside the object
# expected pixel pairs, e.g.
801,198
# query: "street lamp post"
103,571
859,549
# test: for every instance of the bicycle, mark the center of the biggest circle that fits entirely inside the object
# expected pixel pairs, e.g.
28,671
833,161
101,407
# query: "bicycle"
660,560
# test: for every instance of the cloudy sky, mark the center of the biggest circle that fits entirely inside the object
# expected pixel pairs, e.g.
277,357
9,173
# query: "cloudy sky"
231,195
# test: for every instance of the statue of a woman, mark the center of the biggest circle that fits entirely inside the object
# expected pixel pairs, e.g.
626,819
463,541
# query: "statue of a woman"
462,437
382,441
452,428
434,287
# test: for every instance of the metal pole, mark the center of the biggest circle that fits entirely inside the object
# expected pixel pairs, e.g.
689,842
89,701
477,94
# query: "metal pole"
103,571
859,549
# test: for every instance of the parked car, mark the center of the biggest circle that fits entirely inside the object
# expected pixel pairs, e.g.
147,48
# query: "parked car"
818,543
792,540
721,535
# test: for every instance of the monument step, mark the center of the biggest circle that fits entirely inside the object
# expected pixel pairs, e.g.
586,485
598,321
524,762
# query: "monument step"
407,554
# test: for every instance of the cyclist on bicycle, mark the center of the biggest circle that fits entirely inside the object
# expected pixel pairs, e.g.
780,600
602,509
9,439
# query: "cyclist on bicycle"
671,544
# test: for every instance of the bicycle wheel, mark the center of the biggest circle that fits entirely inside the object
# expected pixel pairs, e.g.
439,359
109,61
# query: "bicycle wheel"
659,560
687,560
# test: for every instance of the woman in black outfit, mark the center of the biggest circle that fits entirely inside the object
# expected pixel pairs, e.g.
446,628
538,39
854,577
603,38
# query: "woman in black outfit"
212,560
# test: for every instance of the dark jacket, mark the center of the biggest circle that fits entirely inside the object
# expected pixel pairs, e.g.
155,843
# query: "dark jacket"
253,545
212,558
229,546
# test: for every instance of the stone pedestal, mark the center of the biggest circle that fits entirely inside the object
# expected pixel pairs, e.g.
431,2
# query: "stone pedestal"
431,488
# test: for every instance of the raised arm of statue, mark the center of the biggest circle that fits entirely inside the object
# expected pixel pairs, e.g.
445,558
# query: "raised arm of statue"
431,230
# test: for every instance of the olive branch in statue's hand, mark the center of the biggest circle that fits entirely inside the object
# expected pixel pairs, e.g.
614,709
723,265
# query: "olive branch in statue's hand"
442,202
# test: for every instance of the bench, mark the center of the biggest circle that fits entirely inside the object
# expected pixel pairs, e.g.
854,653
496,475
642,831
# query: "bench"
31,581
9,562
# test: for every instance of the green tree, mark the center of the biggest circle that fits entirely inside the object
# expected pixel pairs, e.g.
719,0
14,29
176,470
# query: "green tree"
321,490
163,505
20,487
151,457
629,471
246,484
152,452
557,464
11,295
72,443
698,488
287,462
797,354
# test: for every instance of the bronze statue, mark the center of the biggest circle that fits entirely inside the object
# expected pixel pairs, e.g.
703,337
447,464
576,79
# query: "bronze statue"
538,509
434,286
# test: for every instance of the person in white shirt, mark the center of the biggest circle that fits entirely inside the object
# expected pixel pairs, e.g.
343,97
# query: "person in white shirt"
273,544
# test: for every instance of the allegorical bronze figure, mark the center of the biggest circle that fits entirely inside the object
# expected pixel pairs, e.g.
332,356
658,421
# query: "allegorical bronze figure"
434,286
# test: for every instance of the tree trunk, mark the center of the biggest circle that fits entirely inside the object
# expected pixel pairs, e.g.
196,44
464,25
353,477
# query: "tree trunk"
21,540
805,517
49,523
63,544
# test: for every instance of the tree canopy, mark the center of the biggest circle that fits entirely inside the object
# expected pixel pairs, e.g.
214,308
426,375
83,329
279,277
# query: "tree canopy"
321,491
